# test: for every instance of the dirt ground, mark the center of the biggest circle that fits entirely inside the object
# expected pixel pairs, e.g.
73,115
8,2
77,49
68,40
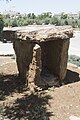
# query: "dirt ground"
20,103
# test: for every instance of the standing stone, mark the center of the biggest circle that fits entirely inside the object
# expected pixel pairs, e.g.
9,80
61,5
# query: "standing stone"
55,56
24,55
37,51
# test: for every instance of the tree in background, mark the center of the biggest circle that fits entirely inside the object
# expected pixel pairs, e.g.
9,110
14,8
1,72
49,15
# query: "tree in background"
1,26
44,18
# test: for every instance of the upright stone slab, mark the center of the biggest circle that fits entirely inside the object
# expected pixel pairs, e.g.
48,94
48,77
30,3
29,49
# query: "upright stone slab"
48,61
38,64
55,56
24,55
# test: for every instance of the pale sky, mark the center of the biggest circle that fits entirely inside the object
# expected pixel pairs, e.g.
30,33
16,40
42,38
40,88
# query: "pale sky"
40,6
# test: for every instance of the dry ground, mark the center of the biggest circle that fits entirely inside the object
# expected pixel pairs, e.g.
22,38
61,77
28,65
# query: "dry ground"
19,103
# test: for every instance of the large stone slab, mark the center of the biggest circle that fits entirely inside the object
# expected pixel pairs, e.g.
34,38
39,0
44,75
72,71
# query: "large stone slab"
39,33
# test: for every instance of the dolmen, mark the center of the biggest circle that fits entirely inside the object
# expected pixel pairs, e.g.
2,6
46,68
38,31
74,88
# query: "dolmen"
41,52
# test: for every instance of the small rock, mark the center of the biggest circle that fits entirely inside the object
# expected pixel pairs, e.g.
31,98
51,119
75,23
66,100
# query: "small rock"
72,117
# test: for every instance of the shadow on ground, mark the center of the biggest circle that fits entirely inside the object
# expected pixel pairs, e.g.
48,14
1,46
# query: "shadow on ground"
29,107
10,84
71,77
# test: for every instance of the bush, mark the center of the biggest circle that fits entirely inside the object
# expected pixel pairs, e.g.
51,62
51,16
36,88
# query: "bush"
1,26
74,59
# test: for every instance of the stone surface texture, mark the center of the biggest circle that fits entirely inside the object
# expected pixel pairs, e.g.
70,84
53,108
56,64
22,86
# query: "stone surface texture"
39,33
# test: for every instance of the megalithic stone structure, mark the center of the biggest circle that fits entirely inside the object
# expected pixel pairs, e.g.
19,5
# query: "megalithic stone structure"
41,52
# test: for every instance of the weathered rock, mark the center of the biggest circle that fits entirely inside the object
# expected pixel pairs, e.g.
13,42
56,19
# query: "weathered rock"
24,55
54,57
45,63
36,66
39,33
72,117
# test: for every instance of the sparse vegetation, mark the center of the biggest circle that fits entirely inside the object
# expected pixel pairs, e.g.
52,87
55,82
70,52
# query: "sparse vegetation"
74,59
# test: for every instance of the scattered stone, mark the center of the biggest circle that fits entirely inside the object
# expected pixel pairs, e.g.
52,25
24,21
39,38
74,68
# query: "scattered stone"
72,117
